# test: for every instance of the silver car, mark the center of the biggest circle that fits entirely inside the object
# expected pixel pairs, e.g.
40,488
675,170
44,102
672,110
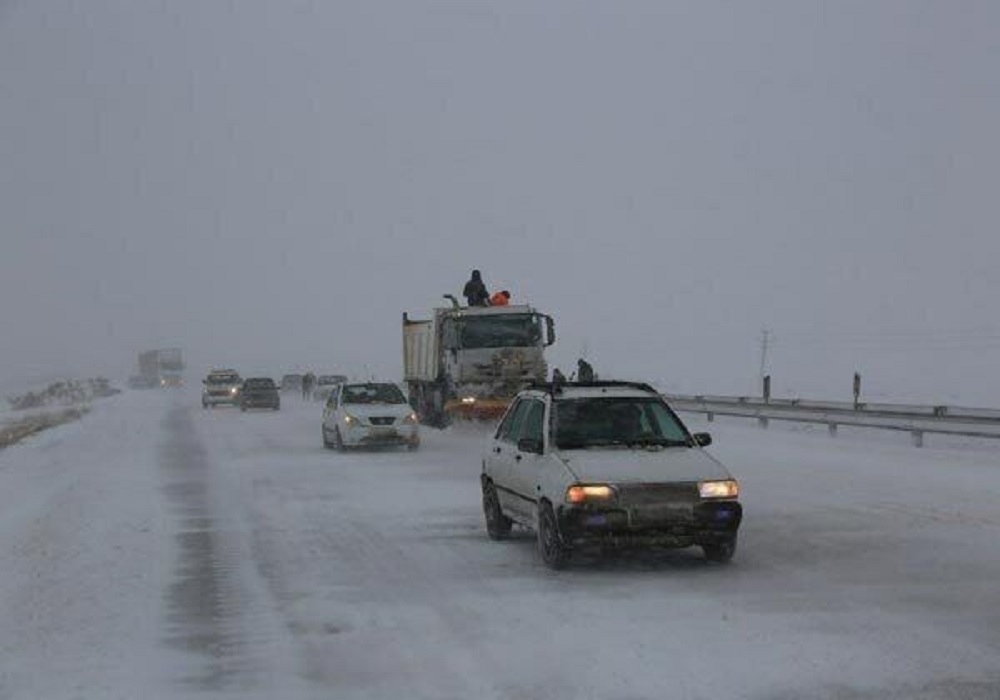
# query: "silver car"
606,464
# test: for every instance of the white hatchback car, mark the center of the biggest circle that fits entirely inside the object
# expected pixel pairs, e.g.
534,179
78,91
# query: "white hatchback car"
369,415
606,464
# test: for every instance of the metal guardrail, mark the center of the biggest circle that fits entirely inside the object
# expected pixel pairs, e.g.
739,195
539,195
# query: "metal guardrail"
914,419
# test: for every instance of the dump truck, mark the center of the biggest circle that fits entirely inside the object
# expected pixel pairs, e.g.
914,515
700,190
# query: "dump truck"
469,362
163,367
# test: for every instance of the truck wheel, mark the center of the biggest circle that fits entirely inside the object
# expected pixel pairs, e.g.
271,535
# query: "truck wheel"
721,552
498,525
554,552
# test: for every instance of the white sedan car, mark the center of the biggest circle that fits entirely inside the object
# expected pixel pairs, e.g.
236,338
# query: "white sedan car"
606,464
369,415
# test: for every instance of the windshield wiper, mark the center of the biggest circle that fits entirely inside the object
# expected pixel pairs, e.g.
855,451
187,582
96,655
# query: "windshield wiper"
661,442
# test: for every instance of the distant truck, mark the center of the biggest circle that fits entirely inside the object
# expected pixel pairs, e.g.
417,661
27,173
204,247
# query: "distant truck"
469,362
163,367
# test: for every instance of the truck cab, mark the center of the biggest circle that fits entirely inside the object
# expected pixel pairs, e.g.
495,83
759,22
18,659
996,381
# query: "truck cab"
471,361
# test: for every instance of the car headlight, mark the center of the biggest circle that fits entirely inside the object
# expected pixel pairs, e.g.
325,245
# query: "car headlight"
719,489
351,420
411,419
589,493
234,390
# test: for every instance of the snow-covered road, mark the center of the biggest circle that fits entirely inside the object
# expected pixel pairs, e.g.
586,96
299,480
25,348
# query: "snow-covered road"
154,549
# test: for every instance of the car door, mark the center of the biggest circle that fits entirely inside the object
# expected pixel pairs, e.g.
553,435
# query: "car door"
502,452
330,411
524,463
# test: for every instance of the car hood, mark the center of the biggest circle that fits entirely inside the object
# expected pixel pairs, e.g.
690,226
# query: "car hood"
624,465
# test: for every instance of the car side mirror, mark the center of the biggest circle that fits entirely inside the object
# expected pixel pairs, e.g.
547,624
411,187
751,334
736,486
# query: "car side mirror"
702,439
530,445
550,327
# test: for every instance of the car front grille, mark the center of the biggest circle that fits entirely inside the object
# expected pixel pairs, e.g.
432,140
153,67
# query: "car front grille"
655,494
382,420
656,505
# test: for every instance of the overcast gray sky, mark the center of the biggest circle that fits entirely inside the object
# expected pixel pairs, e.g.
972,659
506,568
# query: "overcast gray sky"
271,184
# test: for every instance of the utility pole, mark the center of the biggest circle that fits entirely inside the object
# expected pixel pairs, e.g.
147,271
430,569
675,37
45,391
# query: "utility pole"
765,344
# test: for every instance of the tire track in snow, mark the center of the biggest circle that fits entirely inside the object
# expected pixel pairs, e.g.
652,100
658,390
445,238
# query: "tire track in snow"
215,606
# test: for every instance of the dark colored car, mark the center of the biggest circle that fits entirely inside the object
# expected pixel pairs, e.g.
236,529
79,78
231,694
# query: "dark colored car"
259,392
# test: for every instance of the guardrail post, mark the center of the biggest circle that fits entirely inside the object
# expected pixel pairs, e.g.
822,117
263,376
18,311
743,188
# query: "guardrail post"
832,427
762,421
918,438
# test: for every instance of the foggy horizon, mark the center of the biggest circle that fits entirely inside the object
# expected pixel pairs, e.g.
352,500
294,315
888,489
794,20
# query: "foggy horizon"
270,187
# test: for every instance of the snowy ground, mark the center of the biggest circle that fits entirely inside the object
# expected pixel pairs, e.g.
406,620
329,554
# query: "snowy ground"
154,549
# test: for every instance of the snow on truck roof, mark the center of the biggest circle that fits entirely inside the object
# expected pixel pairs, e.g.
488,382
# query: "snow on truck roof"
488,310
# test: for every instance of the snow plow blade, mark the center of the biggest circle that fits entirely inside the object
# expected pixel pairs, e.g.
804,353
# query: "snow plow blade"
476,410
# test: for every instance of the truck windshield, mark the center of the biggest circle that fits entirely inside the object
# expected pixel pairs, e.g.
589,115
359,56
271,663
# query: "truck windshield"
599,422
507,331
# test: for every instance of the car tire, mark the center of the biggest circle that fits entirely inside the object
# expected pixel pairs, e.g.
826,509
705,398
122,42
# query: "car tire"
720,552
243,408
498,525
554,552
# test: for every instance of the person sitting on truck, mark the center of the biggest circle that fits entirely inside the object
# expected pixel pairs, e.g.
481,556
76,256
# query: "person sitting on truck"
475,290
584,371
500,298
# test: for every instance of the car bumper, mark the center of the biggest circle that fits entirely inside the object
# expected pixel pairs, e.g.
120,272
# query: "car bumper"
374,436
708,522
262,402
231,399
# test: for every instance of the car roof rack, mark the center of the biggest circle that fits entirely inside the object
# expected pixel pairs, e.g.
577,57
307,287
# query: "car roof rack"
552,387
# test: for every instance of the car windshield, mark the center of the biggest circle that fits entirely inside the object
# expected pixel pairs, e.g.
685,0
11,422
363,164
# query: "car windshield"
373,393
223,379
606,421
502,331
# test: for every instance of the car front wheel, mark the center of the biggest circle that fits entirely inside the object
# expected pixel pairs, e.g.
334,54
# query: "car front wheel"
554,552
720,552
498,525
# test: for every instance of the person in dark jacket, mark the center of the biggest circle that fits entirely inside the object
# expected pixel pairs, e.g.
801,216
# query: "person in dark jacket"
584,372
475,291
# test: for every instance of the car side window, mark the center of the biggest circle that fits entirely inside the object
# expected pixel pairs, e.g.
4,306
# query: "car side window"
534,422
512,429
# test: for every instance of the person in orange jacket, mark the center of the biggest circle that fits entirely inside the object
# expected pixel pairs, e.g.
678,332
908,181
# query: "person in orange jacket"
500,298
